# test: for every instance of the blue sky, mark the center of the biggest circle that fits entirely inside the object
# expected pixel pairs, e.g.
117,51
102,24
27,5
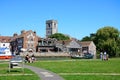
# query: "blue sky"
77,18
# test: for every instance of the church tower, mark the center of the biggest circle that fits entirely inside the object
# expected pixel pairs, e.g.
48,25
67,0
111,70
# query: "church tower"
51,27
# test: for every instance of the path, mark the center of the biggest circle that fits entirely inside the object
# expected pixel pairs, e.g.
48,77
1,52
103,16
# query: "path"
44,74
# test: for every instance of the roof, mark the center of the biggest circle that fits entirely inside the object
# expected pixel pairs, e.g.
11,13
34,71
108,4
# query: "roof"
86,43
64,42
23,34
5,38
70,43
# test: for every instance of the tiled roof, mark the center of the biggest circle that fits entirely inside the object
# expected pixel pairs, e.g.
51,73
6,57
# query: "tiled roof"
85,43
64,42
5,38
70,43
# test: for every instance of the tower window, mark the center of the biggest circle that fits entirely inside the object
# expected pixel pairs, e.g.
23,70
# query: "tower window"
54,25
49,25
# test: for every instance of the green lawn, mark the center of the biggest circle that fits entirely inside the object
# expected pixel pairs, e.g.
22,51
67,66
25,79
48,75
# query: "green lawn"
16,74
73,69
83,69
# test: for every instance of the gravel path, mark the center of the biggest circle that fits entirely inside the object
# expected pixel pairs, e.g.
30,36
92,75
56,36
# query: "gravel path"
44,74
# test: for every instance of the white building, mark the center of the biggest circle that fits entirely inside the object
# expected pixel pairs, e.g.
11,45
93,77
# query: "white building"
5,45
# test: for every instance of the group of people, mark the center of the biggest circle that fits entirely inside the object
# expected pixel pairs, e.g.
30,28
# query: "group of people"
29,59
103,56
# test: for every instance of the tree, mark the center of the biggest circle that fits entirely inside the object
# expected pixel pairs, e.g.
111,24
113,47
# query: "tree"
59,36
86,38
107,39
89,38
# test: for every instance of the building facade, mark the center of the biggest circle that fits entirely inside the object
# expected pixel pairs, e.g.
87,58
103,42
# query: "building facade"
88,47
27,40
5,41
51,27
69,46
46,45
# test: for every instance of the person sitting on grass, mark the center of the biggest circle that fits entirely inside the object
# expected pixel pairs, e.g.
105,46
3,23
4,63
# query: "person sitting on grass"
27,58
33,58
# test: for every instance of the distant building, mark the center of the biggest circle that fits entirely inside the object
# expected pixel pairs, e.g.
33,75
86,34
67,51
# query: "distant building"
26,40
88,47
70,46
46,45
5,39
5,42
5,45
51,27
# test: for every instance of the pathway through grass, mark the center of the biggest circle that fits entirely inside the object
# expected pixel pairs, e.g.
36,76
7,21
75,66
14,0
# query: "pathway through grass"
83,69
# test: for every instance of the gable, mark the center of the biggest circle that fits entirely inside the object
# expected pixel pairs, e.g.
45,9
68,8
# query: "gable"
92,45
73,44
30,34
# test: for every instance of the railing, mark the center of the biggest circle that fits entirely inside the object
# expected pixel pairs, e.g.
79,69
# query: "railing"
15,62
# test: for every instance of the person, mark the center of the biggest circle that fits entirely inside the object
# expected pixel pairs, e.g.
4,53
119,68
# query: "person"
33,58
27,58
101,55
105,55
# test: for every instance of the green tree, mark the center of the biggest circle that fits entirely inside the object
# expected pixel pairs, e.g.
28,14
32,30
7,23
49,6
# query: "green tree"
89,38
107,39
59,36
86,38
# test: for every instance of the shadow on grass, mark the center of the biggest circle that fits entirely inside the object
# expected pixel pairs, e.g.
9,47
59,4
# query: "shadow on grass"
14,71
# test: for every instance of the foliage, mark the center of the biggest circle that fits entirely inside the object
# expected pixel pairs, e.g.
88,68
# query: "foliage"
86,38
89,38
107,39
59,36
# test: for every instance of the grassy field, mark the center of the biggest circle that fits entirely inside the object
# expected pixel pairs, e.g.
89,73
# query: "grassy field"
73,69
16,74
83,69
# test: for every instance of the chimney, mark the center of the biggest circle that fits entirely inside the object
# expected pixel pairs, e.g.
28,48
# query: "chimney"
23,31
15,34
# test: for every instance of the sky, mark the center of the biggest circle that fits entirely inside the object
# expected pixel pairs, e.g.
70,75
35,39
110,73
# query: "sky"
77,18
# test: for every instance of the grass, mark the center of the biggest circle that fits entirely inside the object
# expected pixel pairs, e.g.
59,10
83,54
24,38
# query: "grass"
16,74
90,77
74,69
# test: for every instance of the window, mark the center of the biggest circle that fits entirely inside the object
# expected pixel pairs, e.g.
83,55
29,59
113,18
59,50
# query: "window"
54,25
48,25
32,45
28,45
31,39
3,44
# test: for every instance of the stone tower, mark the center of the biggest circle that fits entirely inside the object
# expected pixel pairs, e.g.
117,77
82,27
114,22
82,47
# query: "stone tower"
51,27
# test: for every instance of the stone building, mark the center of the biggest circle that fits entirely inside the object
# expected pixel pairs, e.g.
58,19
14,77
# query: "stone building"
70,46
88,47
51,27
46,45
